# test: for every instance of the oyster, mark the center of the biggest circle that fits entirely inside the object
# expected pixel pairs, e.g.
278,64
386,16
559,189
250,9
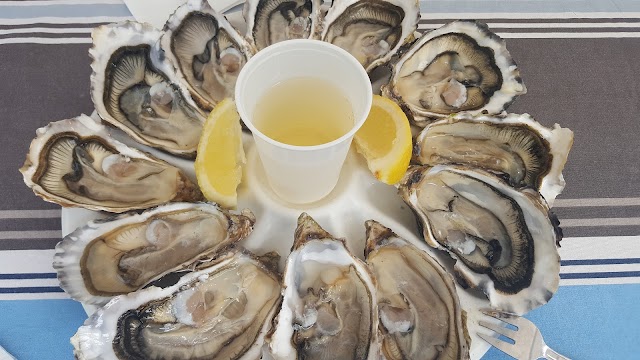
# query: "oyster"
461,66
419,310
328,309
207,50
504,239
135,88
272,21
75,162
371,30
221,312
515,146
107,258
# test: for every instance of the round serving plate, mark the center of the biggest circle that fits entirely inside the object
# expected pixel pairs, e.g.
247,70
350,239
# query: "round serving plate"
357,197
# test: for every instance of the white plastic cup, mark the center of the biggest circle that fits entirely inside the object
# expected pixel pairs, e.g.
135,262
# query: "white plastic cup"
302,174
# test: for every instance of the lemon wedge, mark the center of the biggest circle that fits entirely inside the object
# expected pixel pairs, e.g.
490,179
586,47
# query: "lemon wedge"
220,155
385,140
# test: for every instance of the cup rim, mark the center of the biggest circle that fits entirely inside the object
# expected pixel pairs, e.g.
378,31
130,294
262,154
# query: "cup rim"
274,50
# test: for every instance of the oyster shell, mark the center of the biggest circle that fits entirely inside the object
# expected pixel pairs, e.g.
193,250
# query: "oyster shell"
328,309
135,88
207,51
517,147
120,255
461,66
504,239
418,307
272,21
75,162
371,30
221,312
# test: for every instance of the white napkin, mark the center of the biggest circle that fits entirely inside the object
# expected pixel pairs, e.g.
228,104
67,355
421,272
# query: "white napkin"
156,12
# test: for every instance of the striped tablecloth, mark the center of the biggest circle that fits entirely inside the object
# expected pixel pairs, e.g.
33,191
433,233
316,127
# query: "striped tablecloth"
579,60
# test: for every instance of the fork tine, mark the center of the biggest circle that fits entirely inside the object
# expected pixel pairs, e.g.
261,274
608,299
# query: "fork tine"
499,329
499,344
504,316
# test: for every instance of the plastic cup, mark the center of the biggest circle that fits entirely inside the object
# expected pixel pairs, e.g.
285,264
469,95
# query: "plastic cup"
302,174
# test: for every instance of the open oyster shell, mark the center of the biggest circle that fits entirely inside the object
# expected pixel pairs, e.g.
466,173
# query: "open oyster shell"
329,304
515,146
272,21
461,66
104,259
221,312
504,239
135,88
207,51
371,30
75,162
418,307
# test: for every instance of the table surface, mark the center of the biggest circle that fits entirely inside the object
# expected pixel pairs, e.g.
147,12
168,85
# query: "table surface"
577,58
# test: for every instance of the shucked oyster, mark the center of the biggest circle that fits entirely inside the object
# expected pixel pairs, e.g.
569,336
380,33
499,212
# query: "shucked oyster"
135,88
504,239
75,162
461,66
514,146
419,310
272,21
107,258
207,50
221,312
328,308
371,30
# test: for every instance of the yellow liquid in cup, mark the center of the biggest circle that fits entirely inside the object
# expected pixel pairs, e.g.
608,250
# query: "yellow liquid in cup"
304,111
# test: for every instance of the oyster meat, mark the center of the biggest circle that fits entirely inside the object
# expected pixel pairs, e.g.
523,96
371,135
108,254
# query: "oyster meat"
371,30
504,239
135,88
272,21
328,307
221,312
517,147
418,307
207,51
107,258
461,66
75,162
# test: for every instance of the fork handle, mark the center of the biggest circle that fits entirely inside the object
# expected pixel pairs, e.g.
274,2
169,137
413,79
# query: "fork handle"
551,354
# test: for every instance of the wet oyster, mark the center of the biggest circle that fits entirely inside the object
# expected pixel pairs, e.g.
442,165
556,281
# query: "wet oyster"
272,21
207,50
135,88
461,66
515,146
504,239
107,258
371,30
221,312
75,162
328,308
419,310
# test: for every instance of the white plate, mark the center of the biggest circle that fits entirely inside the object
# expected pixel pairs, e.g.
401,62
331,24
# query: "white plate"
357,197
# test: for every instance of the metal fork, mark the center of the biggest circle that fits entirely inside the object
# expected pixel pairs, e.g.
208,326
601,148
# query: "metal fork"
528,342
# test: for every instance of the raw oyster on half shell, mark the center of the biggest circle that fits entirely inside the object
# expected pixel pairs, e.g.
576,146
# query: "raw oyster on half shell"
514,146
75,162
418,307
328,307
272,21
371,30
504,239
221,312
207,51
135,88
104,259
461,66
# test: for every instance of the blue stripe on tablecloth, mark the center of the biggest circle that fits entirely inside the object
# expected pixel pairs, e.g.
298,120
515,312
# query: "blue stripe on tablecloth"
599,262
600,275
28,276
80,10
31,290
